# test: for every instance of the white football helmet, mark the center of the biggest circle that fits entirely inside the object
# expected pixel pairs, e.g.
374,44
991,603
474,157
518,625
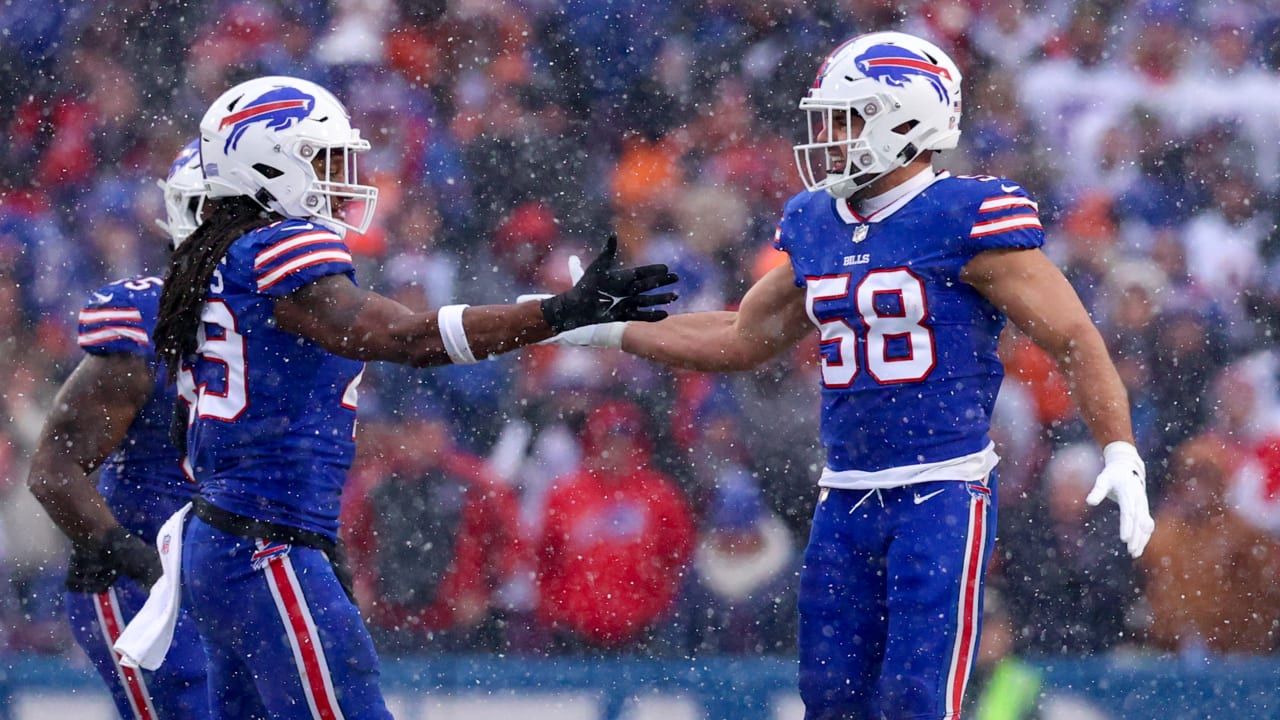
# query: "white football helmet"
907,93
184,195
266,138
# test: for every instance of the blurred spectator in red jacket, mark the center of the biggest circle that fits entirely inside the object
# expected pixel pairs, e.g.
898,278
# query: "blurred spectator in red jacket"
431,541
615,542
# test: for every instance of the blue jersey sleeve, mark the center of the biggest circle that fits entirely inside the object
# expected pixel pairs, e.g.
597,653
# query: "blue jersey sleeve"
787,237
296,254
118,318
1005,218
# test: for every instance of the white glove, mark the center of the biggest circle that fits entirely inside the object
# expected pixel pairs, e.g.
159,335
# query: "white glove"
1124,479
575,269
603,335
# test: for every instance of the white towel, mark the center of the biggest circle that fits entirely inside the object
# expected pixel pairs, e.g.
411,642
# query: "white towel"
146,639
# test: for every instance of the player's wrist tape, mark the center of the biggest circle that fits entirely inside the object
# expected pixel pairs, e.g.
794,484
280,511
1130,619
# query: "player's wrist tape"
607,335
454,335
1121,451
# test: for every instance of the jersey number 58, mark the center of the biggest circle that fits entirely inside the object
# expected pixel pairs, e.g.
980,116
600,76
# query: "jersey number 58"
888,312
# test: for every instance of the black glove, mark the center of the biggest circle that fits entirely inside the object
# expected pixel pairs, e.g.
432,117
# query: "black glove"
132,556
606,293
95,567
86,573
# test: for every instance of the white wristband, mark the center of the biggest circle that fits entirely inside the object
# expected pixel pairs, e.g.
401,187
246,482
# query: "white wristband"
454,334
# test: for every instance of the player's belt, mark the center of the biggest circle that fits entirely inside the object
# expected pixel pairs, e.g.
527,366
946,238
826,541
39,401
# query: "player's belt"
253,528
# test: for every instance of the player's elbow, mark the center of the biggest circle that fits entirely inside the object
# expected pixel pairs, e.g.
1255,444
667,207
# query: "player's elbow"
42,481
738,346
1079,343
38,485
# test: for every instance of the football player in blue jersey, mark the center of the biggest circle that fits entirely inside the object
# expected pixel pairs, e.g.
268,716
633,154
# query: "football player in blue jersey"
263,325
909,276
113,413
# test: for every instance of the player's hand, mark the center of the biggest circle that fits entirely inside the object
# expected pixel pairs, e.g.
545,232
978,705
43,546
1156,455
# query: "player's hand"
608,293
132,556
1124,479
601,335
87,574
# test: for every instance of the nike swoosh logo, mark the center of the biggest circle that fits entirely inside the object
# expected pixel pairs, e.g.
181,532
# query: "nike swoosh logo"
103,298
921,498
613,300
1008,188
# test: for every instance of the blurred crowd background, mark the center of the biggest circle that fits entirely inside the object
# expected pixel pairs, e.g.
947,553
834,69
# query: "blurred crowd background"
569,501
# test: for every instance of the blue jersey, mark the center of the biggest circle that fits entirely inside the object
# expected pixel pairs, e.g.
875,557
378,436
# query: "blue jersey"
142,479
908,350
271,436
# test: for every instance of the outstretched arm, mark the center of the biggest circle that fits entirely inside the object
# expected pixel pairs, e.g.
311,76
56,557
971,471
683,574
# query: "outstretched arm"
359,324
352,322
1035,295
771,319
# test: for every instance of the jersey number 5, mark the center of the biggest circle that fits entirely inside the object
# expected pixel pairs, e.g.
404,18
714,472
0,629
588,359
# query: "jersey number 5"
889,308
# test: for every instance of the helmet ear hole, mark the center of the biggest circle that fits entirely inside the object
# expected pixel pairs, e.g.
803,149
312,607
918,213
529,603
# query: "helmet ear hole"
906,127
267,171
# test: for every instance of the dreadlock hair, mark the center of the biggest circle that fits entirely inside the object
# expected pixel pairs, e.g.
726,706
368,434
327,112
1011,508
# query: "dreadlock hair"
190,270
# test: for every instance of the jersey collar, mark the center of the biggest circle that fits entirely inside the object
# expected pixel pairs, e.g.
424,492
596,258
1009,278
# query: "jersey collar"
881,206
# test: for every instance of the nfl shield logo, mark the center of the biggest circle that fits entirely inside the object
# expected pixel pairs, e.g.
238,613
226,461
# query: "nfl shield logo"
860,233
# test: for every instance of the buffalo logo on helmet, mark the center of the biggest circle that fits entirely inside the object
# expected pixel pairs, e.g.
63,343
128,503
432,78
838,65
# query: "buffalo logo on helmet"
897,66
279,108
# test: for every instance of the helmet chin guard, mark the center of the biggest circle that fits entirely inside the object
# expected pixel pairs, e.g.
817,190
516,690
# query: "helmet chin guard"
288,144
905,90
